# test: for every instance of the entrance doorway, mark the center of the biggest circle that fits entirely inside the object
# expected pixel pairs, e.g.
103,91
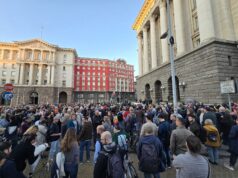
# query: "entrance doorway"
63,97
34,98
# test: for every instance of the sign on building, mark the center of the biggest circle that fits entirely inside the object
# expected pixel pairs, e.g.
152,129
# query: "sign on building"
227,87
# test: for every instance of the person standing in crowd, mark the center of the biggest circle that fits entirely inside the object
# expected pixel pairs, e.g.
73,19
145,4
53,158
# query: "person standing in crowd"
193,125
55,133
149,119
150,152
100,130
107,124
7,166
109,151
179,136
173,122
85,137
70,148
164,136
213,141
191,164
208,114
96,121
233,136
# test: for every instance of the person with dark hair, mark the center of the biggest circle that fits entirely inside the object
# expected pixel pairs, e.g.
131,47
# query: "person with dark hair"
8,166
85,137
179,136
193,125
191,164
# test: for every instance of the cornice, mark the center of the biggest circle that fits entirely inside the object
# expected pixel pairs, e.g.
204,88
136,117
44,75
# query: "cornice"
147,6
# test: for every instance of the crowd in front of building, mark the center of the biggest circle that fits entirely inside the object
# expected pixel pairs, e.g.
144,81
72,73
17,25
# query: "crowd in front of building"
161,139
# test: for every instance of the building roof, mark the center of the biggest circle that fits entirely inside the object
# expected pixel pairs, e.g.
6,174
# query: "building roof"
147,6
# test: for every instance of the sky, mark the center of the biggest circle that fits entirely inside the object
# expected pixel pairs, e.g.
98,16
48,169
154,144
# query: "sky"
95,28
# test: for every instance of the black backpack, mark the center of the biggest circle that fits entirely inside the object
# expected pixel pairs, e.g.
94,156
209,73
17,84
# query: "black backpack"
212,136
149,161
114,165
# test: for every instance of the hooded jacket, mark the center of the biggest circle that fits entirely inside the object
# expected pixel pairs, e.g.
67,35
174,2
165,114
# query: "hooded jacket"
100,169
211,128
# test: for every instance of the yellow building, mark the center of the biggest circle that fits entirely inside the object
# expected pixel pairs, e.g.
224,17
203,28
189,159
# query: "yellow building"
40,72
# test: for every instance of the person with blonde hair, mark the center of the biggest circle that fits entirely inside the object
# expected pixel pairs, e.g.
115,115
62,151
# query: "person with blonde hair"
70,148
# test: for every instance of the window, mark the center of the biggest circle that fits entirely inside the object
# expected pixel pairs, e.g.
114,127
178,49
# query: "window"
93,83
104,84
6,54
13,73
27,82
45,82
29,55
4,73
13,66
4,65
64,68
12,81
3,81
36,82
63,83
88,83
65,56
47,55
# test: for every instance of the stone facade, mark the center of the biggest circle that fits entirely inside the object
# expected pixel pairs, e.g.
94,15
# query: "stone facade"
40,72
200,70
205,49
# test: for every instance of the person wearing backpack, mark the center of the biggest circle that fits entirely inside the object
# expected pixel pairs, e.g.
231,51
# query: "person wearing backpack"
109,162
150,153
213,141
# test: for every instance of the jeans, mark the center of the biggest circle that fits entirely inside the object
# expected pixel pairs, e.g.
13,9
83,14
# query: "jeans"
233,159
54,149
84,144
150,175
71,170
168,158
213,154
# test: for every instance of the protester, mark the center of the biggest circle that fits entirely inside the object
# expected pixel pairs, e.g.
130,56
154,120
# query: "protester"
85,137
212,141
233,136
70,148
179,136
7,166
191,164
100,130
109,151
150,152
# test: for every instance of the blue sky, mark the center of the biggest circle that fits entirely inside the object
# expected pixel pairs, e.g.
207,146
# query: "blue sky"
95,28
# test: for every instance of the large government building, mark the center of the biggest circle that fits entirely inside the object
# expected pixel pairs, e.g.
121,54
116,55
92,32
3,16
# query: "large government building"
206,49
45,73
40,72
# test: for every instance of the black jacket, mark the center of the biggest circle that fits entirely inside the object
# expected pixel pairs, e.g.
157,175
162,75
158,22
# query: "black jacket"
8,170
24,151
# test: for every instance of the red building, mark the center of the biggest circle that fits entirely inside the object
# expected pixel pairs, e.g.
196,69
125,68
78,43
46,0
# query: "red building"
98,80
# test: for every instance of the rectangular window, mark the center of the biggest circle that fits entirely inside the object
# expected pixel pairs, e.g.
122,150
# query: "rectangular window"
12,81
3,81
4,73
64,83
63,68
13,73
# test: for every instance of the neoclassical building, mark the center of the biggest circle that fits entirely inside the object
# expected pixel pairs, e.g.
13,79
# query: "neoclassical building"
40,72
205,34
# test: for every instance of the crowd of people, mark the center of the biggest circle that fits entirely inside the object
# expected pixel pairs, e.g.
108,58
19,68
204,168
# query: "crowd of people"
188,139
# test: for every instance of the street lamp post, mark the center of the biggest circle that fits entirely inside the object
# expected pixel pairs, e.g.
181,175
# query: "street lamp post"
171,55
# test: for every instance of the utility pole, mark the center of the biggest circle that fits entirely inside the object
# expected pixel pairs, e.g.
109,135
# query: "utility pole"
171,56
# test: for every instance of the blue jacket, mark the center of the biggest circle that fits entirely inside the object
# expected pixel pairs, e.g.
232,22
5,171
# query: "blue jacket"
164,133
8,170
233,136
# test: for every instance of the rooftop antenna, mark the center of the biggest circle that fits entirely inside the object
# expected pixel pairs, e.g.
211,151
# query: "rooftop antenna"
41,31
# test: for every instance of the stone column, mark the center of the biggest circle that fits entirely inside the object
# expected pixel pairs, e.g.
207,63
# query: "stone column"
41,55
140,57
31,74
164,28
145,51
22,68
52,74
179,20
53,57
17,77
40,74
153,42
205,20
32,55
225,16
48,74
